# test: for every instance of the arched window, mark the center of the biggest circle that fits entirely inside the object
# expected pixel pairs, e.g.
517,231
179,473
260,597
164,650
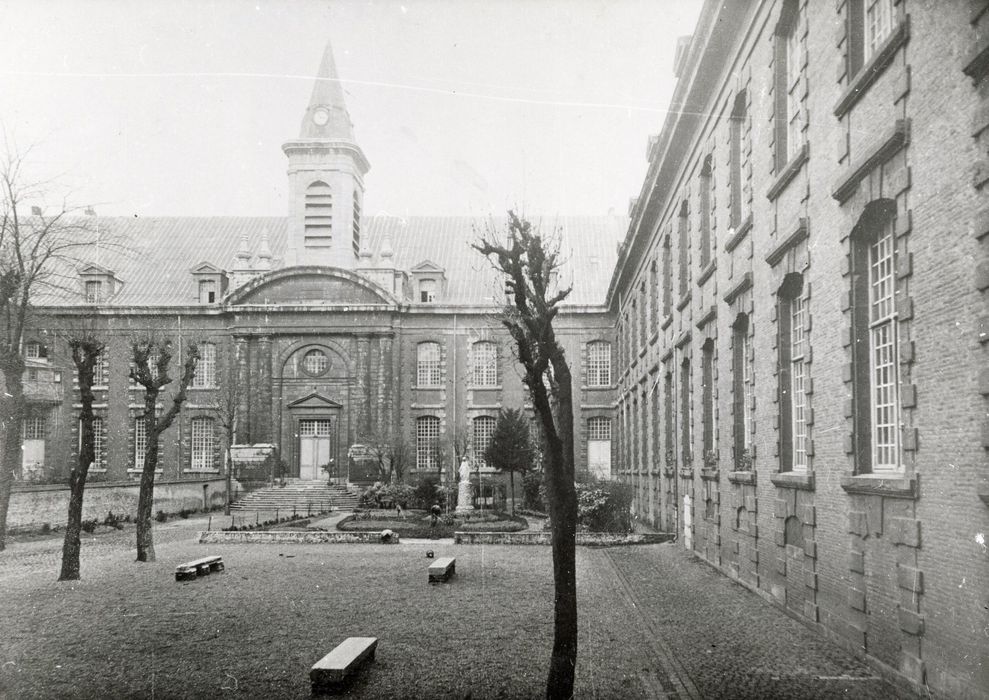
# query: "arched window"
427,442
319,215
206,368
599,447
483,430
203,438
428,370
315,363
599,363
485,364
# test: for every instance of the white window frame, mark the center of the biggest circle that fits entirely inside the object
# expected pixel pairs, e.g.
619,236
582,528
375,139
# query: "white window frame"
94,291
884,380
482,429
429,370
484,361
877,25
205,376
140,441
202,444
599,363
798,384
427,438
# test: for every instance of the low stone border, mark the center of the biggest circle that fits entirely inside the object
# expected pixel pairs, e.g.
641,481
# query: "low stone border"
288,537
590,539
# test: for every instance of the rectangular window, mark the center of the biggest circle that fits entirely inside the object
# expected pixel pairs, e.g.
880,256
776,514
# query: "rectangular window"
884,354
483,430
787,70
599,364
878,25
643,315
35,351
794,65
427,291
99,443
654,297
736,156
427,442
668,419
94,291
667,277
682,245
792,375
742,390
685,414
101,370
203,442
206,367
34,428
207,291
429,373
706,186
707,398
140,442
485,361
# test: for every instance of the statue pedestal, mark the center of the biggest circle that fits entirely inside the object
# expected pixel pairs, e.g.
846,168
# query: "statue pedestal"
463,497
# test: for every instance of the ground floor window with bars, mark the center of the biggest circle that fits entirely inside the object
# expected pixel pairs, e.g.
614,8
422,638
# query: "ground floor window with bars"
427,441
203,444
599,447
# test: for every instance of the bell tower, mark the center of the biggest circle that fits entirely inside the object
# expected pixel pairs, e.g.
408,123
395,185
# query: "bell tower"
326,171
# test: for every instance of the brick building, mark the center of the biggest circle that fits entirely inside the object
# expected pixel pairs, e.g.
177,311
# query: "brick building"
318,331
801,322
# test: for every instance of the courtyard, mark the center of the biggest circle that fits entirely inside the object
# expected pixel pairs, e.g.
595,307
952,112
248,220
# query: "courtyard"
654,623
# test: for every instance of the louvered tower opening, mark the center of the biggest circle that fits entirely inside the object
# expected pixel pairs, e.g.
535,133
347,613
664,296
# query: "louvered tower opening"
357,224
319,216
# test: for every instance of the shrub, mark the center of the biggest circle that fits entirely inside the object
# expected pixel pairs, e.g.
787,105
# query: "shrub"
160,516
532,491
46,528
402,494
604,506
427,493
89,525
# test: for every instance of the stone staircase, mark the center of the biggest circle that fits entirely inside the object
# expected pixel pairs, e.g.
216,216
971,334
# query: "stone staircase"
302,496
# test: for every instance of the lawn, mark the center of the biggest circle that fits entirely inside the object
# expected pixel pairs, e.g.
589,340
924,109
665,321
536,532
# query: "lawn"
418,523
130,630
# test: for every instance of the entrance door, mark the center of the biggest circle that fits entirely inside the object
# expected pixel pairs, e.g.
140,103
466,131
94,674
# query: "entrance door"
314,447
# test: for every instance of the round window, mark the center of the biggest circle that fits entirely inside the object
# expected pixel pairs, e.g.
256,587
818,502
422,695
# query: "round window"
315,362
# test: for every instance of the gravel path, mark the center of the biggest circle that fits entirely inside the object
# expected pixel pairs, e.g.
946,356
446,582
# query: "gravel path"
654,623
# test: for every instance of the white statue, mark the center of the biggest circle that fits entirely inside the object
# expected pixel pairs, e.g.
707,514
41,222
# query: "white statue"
464,488
464,469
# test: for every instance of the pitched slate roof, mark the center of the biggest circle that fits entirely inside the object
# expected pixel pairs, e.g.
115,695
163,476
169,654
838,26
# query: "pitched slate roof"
156,265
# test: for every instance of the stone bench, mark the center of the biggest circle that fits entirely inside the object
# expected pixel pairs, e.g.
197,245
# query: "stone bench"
442,569
345,659
199,567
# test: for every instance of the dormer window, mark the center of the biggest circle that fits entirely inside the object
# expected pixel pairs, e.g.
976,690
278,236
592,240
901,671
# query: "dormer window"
428,280
94,291
211,282
34,350
427,291
98,284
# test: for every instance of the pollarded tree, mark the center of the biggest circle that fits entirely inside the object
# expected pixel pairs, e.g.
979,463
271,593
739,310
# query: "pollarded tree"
36,253
150,370
511,448
530,267
86,349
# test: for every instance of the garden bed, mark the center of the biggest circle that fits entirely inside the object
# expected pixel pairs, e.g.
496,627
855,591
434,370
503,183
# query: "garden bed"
418,524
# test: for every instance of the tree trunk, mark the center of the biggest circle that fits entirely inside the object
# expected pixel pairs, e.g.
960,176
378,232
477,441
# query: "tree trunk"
146,494
145,502
71,545
11,453
563,520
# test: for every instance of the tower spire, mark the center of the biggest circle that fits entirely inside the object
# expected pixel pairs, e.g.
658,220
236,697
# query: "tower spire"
327,116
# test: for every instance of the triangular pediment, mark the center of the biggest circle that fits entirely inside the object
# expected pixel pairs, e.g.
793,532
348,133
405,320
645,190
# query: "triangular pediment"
205,268
92,269
427,266
314,400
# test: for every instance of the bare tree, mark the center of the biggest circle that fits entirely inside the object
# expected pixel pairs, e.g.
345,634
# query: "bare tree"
86,350
37,254
392,453
223,405
153,377
530,268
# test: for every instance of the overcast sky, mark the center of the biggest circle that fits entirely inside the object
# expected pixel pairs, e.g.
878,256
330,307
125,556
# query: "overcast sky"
467,107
